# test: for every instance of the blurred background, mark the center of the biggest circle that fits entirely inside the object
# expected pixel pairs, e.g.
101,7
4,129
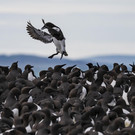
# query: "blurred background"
93,28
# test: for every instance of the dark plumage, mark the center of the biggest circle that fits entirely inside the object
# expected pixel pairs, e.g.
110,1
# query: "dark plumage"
57,72
28,73
4,69
133,67
117,123
66,118
69,69
68,101
12,98
14,72
5,124
64,86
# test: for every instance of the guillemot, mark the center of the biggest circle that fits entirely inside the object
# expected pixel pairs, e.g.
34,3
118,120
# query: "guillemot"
55,35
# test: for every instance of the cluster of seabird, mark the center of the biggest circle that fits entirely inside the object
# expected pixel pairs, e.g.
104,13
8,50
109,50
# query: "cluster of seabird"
67,101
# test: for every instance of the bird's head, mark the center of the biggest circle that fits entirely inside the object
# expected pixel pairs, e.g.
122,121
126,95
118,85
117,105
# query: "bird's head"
14,65
28,67
47,25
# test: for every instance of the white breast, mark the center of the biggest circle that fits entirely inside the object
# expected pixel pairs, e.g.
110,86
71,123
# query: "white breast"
31,77
60,45
87,129
28,129
30,99
83,94
15,112
113,83
124,96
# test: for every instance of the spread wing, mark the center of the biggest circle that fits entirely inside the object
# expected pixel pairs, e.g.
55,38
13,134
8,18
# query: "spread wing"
38,34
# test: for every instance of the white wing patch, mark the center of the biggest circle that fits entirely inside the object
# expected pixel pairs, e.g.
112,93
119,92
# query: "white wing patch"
57,29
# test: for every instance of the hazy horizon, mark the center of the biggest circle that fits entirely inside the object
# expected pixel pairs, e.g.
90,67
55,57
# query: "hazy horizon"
91,28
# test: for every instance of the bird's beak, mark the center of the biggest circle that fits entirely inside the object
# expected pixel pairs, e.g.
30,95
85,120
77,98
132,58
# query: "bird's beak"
43,21
44,25
63,65
16,62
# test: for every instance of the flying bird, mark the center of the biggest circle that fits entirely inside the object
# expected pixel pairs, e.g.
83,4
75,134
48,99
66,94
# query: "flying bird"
55,35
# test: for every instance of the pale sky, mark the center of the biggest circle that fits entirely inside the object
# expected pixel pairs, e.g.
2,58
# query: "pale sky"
91,27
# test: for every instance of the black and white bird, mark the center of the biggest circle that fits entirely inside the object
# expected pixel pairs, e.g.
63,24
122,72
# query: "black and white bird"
55,35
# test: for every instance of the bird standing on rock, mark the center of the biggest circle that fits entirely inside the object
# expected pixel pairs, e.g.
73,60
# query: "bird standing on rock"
55,35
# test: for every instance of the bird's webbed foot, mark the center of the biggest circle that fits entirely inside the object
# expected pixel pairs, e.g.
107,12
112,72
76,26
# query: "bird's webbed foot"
53,55
50,57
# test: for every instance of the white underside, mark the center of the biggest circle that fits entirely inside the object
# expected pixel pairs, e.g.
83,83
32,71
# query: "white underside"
60,45
31,77
83,94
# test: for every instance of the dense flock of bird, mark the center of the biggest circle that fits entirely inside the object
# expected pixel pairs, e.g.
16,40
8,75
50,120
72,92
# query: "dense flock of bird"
67,101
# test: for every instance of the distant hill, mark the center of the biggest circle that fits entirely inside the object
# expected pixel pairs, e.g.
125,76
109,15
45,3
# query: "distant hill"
110,59
41,63
126,59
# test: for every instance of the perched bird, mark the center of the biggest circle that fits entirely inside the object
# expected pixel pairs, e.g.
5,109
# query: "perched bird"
28,73
3,82
5,124
69,69
65,118
57,72
133,67
5,69
64,86
12,98
14,72
117,124
55,35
